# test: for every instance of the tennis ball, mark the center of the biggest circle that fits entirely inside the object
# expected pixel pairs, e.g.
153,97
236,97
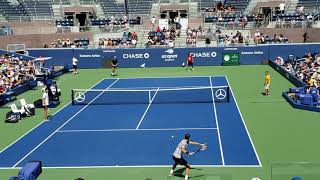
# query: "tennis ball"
255,178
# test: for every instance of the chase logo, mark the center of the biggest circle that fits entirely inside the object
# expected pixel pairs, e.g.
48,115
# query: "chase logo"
136,56
204,54
170,51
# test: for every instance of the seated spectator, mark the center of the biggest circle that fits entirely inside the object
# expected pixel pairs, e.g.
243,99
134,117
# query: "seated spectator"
128,40
306,69
279,61
231,40
66,43
162,38
14,72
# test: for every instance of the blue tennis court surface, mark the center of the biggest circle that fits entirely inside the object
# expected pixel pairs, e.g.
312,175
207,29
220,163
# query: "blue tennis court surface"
140,134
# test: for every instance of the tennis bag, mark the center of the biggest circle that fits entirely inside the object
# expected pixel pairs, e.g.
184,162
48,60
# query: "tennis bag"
29,110
12,117
38,103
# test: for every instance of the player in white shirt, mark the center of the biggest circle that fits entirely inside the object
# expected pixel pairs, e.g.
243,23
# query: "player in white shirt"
75,65
282,7
45,103
178,157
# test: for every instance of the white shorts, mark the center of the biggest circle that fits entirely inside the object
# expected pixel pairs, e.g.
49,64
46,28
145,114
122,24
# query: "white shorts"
267,86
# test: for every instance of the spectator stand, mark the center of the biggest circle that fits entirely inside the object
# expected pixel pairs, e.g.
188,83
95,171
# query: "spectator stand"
64,25
235,20
17,75
162,37
304,72
294,20
126,40
81,42
116,23
261,38
20,73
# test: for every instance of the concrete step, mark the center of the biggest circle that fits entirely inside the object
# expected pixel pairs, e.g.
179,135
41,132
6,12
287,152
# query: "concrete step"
99,11
292,6
193,9
252,4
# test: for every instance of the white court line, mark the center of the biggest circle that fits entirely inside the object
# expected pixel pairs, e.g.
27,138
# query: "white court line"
137,166
120,130
154,87
146,90
42,122
63,124
244,123
145,112
159,77
217,123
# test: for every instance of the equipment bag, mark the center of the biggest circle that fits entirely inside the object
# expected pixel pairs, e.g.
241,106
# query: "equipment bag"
12,117
38,103
29,110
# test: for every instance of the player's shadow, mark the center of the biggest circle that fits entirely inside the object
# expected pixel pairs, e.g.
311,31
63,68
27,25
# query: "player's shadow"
180,173
263,93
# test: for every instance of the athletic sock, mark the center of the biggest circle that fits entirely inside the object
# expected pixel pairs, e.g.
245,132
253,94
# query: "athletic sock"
171,171
186,177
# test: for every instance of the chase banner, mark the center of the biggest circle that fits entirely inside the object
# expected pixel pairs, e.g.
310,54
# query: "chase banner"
172,57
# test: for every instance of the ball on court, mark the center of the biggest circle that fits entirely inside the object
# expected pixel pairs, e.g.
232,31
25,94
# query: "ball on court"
172,136
255,178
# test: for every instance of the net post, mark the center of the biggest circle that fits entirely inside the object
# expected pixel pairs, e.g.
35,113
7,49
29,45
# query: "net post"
228,94
149,96
72,97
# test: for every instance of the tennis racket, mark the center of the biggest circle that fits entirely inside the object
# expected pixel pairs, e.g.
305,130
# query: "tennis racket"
202,148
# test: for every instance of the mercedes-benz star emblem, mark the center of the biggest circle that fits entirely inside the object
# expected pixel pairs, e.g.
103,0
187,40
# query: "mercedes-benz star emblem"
79,97
221,94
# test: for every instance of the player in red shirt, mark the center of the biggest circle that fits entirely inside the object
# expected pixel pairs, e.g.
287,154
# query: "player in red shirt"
190,62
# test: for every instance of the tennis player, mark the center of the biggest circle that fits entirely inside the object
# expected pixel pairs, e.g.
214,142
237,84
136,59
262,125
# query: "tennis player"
189,62
75,65
267,81
114,64
45,103
177,155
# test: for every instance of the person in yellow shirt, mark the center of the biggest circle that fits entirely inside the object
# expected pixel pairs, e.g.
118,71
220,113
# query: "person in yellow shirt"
267,81
311,81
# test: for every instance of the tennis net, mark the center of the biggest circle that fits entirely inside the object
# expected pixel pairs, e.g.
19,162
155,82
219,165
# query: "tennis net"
218,94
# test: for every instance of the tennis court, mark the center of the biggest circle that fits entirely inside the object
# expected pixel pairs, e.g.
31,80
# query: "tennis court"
139,122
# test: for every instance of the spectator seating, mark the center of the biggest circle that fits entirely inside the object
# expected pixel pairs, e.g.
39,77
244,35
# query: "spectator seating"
128,40
228,18
66,43
13,11
26,9
309,4
65,22
111,7
38,8
162,37
16,77
232,39
63,2
107,21
304,68
240,5
139,6
5,31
